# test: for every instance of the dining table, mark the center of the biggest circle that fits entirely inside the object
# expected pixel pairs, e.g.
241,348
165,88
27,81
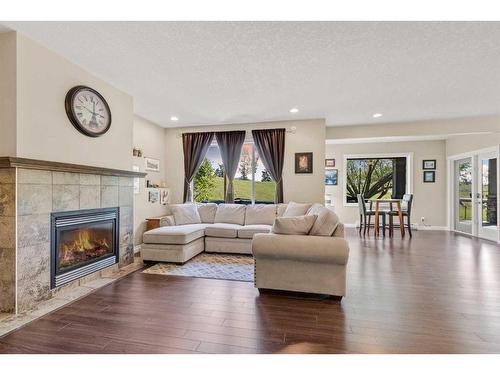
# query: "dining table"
390,201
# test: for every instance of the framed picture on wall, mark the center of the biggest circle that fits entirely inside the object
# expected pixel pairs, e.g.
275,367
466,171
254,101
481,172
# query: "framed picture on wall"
329,163
164,196
429,176
152,164
304,162
153,196
331,176
429,164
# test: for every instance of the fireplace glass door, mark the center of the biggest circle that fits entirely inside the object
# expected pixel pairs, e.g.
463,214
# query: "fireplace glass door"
80,245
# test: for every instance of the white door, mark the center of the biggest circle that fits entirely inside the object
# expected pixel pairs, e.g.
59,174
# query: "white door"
487,196
464,191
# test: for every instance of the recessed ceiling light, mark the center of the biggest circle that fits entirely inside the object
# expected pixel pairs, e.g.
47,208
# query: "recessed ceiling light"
377,115
294,110
174,118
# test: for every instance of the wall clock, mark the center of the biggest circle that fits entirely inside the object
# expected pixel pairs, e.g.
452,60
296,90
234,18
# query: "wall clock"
88,111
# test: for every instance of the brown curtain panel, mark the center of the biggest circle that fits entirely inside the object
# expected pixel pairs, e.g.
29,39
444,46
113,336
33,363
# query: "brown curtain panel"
195,146
230,144
270,144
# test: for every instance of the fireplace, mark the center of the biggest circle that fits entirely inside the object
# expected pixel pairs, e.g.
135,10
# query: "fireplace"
82,242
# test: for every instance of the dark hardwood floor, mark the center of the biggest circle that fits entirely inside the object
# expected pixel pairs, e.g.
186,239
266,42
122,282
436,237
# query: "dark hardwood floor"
435,293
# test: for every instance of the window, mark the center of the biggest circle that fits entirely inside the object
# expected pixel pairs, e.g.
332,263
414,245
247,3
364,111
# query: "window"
209,180
252,183
375,177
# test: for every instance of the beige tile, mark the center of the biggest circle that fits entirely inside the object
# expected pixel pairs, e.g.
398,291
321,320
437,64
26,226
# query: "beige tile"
90,179
109,180
90,196
126,196
7,200
33,229
65,178
126,181
7,175
7,232
33,268
109,196
34,176
34,199
66,197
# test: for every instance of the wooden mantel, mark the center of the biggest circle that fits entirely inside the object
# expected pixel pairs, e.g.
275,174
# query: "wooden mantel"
13,162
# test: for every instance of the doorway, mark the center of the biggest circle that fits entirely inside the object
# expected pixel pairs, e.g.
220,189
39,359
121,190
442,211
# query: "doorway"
475,187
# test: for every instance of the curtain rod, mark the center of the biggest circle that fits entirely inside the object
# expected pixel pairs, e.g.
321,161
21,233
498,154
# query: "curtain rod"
291,130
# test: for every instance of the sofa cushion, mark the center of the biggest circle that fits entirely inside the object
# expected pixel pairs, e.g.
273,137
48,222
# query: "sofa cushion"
207,212
296,209
230,214
176,235
222,230
248,231
185,214
326,222
281,209
260,214
294,225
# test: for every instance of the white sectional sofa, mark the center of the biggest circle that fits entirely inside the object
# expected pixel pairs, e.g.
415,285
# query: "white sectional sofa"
314,261
223,228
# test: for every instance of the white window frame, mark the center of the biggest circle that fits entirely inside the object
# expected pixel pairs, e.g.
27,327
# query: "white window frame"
409,170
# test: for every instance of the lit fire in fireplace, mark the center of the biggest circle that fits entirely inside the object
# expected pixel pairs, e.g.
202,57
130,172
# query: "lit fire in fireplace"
85,246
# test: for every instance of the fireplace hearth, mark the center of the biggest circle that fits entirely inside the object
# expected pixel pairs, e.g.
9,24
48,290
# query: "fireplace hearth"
82,242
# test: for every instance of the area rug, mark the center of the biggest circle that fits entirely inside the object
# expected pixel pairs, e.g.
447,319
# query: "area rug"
210,266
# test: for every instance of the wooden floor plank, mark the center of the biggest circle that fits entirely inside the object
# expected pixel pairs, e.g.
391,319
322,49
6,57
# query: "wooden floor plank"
435,293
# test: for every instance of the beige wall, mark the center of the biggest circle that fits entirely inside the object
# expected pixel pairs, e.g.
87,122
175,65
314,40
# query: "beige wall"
43,129
150,138
309,137
8,92
461,144
429,198
428,128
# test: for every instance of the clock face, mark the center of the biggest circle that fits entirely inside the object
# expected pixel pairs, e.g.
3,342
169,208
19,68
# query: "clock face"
88,111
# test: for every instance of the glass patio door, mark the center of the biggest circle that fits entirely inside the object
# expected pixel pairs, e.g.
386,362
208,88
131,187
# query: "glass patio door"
487,196
464,190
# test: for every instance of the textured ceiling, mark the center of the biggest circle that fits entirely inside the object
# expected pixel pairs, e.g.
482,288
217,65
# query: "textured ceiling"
224,72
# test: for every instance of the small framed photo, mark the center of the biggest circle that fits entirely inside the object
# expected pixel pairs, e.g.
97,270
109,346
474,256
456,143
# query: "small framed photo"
152,164
329,163
429,176
429,164
331,176
164,196
153,196
304,162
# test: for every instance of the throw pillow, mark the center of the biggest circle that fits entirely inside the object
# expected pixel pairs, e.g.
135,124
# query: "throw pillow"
300,225
296,209
186,214
326,222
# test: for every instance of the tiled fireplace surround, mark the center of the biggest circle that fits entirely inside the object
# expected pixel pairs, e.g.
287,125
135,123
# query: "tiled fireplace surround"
27,198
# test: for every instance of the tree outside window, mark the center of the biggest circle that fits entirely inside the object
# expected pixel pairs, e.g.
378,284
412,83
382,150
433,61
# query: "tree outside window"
375,178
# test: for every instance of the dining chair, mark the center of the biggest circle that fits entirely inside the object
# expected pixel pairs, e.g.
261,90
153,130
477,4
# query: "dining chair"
365,217
406,204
